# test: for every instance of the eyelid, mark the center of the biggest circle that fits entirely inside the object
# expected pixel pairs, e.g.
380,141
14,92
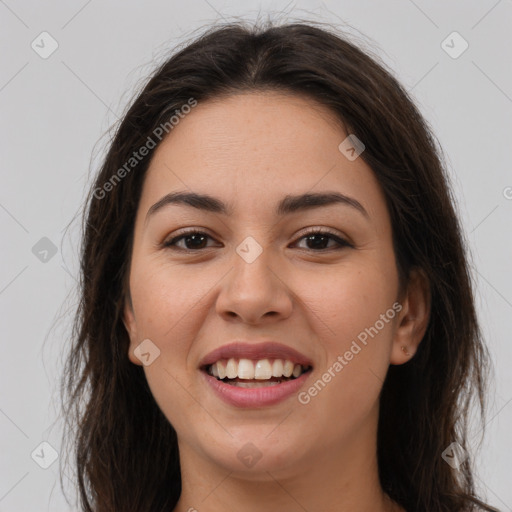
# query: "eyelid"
341,240
335,235
166,244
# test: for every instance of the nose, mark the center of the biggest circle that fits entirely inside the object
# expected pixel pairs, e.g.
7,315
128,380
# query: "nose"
254,292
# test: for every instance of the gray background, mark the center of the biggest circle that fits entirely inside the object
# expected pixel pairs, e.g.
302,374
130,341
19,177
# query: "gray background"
55,111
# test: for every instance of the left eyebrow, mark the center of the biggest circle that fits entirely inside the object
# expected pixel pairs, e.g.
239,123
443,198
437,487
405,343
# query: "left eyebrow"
289,204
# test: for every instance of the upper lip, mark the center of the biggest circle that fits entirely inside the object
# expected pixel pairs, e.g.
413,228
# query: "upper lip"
255,351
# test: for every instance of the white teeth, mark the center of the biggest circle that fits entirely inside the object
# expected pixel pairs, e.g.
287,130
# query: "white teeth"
277,368
262,369
245,369
288,368
221,370
231,369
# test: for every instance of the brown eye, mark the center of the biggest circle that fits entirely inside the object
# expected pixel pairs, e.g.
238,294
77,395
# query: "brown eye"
193,240
317,241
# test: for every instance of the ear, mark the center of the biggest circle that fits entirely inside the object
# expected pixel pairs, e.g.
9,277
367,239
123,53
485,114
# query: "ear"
131,328
412,321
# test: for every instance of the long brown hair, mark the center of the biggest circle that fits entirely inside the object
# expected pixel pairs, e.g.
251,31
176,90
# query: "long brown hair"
125,450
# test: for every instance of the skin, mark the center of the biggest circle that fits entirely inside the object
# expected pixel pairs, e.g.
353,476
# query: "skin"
249,150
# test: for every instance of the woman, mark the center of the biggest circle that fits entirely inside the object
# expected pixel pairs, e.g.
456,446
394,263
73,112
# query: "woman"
276,309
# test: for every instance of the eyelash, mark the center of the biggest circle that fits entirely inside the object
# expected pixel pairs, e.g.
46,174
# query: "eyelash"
342,243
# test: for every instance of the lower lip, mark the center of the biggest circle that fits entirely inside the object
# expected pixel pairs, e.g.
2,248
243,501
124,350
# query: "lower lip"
255,397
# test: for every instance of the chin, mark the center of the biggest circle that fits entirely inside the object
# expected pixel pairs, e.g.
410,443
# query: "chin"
252,453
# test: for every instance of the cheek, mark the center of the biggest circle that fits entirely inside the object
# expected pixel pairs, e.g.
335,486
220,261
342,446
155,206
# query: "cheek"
355,313
168,312
166,305
349,300
164,298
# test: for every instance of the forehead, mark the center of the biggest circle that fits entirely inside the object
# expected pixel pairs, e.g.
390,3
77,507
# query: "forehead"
257,147
262,124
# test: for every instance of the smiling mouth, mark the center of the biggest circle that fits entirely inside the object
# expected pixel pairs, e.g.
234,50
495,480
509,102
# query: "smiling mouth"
245,373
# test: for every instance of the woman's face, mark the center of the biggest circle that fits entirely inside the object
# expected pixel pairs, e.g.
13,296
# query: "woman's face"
255,273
